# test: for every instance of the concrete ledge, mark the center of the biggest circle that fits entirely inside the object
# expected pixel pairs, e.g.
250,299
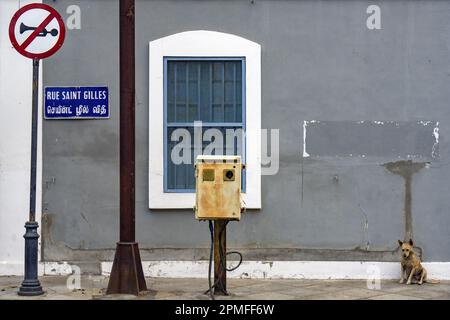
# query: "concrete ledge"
289,269
8,268
14,268
248,269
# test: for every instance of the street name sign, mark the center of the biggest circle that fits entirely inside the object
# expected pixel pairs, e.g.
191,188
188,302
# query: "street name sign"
76,103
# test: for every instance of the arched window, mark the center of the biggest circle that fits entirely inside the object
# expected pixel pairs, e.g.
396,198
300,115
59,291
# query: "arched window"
205,77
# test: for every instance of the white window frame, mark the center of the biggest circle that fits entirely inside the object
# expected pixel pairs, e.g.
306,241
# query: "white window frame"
203,44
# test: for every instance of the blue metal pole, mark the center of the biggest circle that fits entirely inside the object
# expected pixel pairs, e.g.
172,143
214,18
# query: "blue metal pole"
31,285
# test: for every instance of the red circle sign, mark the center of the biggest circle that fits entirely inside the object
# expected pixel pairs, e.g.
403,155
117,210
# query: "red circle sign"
37,31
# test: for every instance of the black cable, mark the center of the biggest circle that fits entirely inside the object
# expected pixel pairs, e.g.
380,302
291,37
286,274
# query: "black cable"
211,230
222,260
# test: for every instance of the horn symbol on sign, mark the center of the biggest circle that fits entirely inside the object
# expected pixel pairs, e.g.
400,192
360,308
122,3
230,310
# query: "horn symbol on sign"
43,33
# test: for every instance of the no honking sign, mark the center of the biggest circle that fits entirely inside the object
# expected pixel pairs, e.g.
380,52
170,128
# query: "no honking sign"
37,31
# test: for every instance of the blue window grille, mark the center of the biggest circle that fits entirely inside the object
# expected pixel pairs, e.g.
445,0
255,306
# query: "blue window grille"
210,90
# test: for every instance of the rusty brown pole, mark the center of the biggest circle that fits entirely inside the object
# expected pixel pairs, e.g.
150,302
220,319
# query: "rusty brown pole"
127,275
127,121
220,257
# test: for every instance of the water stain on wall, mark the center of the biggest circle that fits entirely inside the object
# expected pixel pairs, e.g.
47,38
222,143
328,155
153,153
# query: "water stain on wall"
406,170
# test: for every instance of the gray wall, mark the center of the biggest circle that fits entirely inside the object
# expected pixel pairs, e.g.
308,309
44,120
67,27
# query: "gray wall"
319,62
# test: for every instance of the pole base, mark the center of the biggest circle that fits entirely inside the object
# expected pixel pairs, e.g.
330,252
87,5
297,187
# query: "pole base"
30,288
31,285
127,276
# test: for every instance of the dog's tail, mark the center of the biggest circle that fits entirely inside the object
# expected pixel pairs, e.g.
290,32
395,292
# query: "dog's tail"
432,281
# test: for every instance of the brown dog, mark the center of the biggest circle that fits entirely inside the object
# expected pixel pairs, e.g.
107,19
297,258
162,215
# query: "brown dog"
411,267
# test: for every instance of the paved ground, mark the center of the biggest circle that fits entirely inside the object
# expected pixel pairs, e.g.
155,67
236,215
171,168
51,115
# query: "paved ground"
92,287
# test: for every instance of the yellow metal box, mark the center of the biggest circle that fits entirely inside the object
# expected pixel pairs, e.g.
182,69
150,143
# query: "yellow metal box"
218,187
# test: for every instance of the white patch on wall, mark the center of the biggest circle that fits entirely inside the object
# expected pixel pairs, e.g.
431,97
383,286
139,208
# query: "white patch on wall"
305,154
375,139
434,152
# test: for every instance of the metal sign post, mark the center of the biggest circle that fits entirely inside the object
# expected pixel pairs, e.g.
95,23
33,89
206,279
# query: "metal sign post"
30,285
36,31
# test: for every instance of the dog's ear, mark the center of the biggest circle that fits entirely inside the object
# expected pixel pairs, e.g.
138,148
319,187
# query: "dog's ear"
410,242
400,243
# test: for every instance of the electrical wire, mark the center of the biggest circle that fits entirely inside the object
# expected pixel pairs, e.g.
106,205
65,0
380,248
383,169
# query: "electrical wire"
211,230
222,260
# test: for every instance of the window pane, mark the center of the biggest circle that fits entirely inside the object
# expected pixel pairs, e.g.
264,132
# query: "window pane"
180,161
208,91
205,91
239,89
201,90
180,112
171,93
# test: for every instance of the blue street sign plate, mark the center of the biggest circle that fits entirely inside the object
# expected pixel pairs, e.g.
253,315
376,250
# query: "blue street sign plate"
76,103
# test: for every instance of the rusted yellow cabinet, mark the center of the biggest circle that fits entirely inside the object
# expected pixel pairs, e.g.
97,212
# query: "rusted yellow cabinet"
218,187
